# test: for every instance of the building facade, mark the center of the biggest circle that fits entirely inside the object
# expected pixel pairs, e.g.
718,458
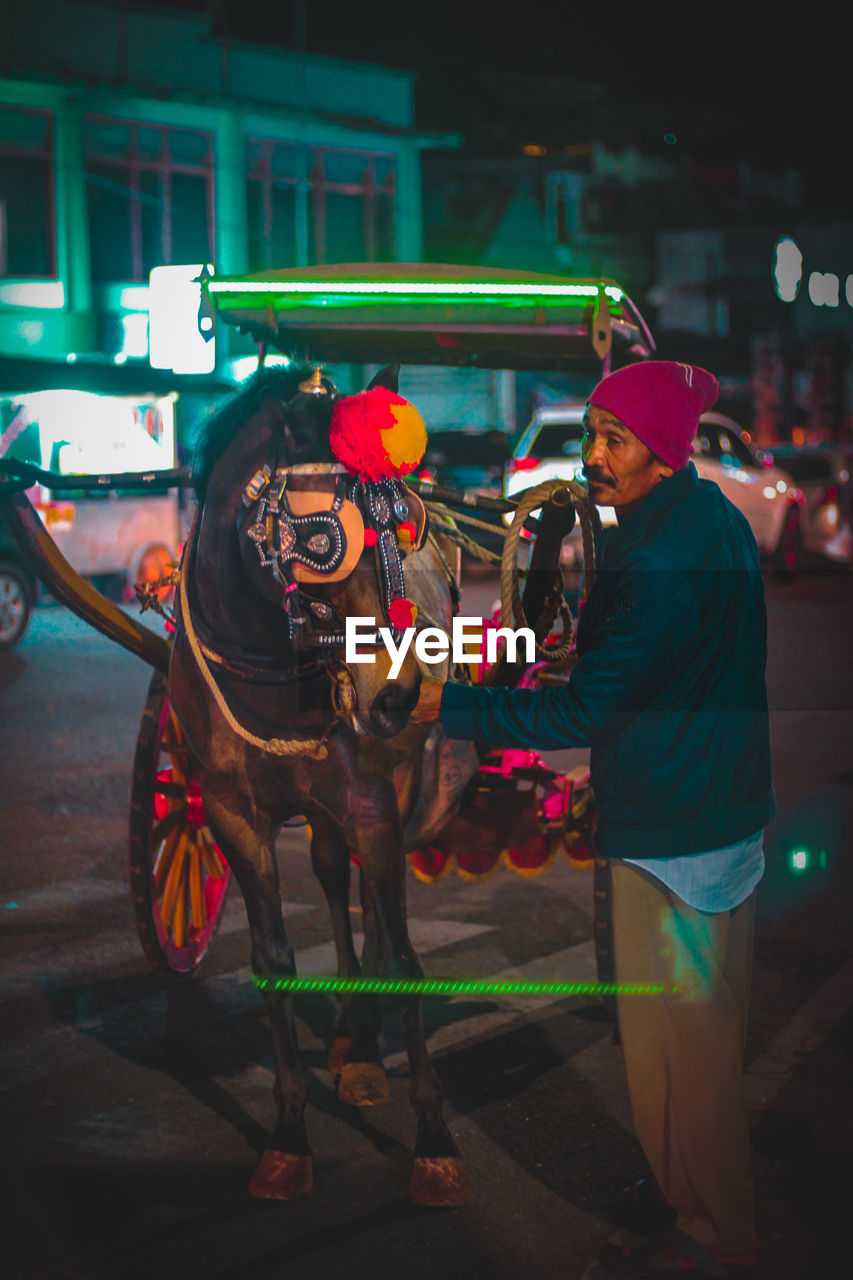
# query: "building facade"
132,139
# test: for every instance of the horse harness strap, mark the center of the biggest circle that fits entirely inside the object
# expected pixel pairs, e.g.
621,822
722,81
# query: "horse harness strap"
314,747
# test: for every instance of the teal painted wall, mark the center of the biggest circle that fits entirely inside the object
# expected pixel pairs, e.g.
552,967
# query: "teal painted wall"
167,69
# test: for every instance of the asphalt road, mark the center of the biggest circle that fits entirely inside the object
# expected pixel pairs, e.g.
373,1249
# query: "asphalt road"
132,1114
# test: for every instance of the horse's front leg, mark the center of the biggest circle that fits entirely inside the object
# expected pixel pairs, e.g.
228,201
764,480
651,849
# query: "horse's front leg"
355,1049
438,1176
285,1171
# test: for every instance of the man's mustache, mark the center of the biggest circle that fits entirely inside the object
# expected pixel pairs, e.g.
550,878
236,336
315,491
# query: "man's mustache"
593,475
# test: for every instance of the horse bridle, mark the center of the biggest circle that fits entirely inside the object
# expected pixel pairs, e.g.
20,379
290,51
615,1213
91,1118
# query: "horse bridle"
318,541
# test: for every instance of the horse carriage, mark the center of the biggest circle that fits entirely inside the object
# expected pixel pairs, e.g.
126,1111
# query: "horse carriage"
310,513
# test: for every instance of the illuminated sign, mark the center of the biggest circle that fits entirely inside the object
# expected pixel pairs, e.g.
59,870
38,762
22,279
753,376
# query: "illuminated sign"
787,268
174,339
84,433
823,287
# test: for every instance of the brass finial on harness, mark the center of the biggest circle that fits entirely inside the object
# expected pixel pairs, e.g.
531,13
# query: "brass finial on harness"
313,386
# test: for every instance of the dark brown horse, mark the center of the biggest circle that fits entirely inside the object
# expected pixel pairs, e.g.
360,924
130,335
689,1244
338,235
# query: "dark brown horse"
281,727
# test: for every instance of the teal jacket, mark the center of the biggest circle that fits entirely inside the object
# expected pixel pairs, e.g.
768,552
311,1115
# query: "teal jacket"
669,689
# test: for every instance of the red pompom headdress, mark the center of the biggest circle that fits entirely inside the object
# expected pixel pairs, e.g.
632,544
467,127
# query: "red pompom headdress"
377,434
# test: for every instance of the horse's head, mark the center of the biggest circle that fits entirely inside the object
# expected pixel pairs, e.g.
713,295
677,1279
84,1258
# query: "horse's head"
318,546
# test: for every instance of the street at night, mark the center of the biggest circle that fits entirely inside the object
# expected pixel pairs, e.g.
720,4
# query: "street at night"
320,318
133,1112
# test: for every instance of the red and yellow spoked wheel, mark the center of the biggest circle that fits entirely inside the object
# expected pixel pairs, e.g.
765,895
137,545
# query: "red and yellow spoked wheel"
179,878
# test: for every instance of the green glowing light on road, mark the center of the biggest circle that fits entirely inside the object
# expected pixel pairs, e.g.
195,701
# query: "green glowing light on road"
452,987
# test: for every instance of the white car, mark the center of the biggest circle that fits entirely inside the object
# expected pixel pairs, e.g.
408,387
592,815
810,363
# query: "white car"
550,449
823,474
768,497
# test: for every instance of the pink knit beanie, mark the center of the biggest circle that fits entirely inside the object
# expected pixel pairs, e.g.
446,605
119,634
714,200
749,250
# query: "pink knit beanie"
660,401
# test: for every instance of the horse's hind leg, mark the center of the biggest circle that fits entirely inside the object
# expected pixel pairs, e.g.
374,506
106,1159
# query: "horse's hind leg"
355,1049
284,1172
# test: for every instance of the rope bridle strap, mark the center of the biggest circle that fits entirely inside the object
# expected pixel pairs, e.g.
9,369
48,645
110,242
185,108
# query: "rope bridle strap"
512,611
315,748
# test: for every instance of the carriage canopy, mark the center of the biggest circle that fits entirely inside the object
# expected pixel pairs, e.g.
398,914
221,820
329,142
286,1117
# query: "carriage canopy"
431,313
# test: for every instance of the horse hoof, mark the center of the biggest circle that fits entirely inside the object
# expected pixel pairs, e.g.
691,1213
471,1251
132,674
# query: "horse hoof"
338,1053
363,1084
282,1176
439,1181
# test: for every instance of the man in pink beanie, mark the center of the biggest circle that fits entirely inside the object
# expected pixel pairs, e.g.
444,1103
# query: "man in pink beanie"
660,402
669,694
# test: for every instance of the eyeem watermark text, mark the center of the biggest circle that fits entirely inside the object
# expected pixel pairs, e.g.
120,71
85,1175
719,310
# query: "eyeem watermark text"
433,644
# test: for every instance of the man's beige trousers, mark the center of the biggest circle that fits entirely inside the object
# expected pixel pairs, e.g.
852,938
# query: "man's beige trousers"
683,1051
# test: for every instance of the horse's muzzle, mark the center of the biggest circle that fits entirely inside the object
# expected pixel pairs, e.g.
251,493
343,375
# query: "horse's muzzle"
392,707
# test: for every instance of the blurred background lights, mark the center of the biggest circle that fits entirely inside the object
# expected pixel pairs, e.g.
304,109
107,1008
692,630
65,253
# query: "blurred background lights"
823,288
244,366
787,268
799,859
47,294
670,139
134,297
134,332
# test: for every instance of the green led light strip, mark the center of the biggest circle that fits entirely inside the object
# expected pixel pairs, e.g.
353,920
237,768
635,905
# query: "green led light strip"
452,987
418,287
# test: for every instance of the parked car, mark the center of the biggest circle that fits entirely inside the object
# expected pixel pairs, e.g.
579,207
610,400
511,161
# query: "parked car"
18,588
823,475
550,448
768,496
466,459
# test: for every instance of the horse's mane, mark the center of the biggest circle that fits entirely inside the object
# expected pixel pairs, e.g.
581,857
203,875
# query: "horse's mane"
217,430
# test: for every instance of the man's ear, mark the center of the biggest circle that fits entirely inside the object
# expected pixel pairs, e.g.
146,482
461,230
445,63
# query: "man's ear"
664,470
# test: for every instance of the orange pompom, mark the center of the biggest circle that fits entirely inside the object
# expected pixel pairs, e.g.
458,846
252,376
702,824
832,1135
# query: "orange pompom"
377,434
406,531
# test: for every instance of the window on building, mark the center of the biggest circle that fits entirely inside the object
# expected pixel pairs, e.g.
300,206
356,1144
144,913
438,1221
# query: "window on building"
318,204
150,197
564,192
276,171
27,241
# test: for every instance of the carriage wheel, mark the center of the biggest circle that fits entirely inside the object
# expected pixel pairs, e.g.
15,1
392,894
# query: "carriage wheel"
179,878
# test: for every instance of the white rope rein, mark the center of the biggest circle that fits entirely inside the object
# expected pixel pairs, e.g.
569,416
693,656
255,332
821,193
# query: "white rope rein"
315,748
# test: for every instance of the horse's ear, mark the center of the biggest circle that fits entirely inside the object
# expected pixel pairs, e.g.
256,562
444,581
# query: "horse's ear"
387,377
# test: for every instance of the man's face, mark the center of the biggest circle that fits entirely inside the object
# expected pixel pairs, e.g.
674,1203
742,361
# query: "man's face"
619,468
